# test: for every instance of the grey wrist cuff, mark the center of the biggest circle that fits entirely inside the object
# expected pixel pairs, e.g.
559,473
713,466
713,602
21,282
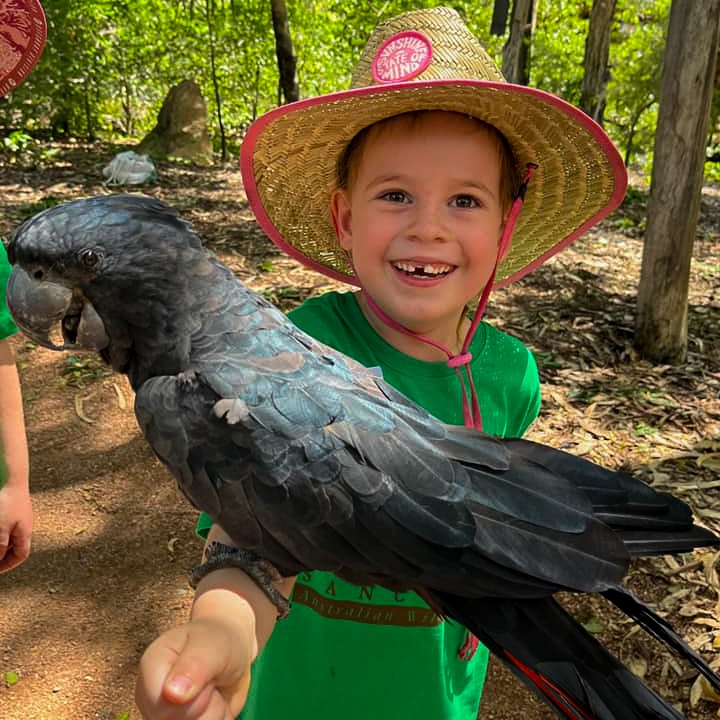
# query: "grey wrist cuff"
261,572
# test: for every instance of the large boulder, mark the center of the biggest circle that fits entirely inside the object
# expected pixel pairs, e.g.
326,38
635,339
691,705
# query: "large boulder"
182,127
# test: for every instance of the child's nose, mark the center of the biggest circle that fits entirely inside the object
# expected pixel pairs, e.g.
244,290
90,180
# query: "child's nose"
429,223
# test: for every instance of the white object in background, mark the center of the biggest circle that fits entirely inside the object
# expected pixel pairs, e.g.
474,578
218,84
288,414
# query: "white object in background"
129,168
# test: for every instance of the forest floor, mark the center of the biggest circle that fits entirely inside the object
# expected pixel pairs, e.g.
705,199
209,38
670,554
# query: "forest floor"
114,538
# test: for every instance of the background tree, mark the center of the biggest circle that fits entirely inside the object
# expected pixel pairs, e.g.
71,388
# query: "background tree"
677,176
288,90
715,113
595,62
498,23
636,57
210,8
516,53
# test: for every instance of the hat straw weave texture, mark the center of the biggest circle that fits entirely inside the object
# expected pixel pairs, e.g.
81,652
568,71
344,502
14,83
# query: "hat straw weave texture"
289,156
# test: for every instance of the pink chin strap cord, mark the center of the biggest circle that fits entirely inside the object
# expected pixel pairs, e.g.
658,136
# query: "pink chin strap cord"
471,408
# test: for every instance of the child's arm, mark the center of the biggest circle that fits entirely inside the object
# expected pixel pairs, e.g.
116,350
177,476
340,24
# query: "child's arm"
202,669
15,506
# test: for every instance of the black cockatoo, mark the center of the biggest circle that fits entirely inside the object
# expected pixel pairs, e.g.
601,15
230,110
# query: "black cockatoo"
311,461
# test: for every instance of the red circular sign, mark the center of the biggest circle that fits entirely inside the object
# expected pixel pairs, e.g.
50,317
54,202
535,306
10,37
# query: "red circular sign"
402,57
22,38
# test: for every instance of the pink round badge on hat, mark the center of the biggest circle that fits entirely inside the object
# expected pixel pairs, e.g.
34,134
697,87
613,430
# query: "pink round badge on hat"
23,31
402,57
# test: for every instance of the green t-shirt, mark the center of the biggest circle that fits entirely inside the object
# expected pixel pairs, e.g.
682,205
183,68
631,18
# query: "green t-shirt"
365,653
7,326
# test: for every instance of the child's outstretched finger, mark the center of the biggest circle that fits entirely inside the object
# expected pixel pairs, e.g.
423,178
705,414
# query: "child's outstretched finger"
204,676
165,690
209,703
188,673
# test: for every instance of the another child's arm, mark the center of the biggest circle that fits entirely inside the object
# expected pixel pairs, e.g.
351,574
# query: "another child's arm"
15,506
201,670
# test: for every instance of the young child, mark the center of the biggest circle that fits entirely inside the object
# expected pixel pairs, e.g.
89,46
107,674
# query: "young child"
408,186
26,25
15,507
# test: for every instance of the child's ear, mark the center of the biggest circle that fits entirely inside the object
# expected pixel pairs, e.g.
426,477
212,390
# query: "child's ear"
342,217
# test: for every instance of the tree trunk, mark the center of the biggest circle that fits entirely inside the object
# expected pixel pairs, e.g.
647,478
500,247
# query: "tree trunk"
677,177
516,53
287,62
213,76
595,63
90,127
499,17
715,107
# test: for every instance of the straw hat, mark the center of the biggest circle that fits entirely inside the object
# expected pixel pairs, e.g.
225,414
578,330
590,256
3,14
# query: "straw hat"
22,39
429,60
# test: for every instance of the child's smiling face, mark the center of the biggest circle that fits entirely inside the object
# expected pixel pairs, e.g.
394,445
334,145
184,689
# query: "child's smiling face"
423,215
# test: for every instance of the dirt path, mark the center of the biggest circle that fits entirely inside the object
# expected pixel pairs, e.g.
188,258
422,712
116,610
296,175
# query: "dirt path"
114,538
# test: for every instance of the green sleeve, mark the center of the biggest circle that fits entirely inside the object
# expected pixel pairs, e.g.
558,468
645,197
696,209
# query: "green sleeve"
7,326
531,381
203,526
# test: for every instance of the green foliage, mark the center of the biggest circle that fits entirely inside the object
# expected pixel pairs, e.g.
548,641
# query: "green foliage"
108,65
594,625
80,371
29,209
20,148
712,172
637,44
636,59
11,677
548,360
17,142
556,64
644,430
635,197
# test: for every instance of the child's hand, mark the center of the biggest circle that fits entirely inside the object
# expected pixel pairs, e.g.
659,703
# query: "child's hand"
201,670
16,522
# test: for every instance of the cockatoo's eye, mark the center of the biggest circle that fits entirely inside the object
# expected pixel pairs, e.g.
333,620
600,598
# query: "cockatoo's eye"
89,258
